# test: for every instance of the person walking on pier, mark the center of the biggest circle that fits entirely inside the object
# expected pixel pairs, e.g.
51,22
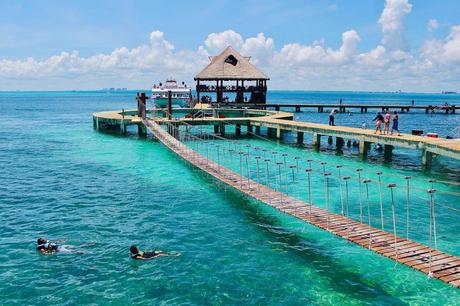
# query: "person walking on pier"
386,127
331,117
378,123
394,127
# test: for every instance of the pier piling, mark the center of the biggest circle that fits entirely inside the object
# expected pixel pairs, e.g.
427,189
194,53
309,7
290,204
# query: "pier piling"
300,137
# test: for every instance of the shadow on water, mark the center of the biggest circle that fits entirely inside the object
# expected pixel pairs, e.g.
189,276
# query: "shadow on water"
339,276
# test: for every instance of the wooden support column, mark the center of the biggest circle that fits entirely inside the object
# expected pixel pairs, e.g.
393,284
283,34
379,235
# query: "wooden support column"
141,130
258,130
278,133
297,109
238,130
96,123
339,142
122,127
330,140
249,129
271,132
216,129
363,148
316,140
300,137
388,152
222,129
427,159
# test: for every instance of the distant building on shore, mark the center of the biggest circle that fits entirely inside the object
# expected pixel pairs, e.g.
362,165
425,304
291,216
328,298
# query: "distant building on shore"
230,72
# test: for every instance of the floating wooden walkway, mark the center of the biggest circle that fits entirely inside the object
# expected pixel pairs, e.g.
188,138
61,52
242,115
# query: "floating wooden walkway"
442,266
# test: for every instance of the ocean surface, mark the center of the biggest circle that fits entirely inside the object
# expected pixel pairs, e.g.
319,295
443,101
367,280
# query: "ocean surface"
60,179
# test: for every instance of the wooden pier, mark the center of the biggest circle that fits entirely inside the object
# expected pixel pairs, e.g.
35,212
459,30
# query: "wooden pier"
363,108
435,263
279,122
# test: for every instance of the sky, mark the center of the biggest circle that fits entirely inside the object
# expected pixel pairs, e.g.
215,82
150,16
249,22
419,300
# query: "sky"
356,45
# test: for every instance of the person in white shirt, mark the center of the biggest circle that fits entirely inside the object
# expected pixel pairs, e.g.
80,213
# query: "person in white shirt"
331,116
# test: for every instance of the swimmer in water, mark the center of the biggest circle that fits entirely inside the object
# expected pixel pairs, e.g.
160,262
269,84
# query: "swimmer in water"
147,255
52,247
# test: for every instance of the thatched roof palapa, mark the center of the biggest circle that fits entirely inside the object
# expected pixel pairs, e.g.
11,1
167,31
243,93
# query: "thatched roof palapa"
230,65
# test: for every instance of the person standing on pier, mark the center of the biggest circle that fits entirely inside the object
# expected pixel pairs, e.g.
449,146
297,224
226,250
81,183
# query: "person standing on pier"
331,117
386,127
394,127
378,123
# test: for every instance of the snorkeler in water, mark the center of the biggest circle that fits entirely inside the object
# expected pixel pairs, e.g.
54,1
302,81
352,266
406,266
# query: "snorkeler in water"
52,247
147,255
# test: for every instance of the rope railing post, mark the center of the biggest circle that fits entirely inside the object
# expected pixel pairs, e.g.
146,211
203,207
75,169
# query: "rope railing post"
346,178
432,229
285,172
274,156
258,178
297,163
381,200
326,187
280,178
267,175
218,156
292,167
407,205
248,170
309,163
310,196
366,182
340,187
392,186
324,166
241,169
360,195
284,160
247,147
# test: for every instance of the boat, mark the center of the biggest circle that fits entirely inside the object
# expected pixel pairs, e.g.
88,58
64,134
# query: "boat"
181,95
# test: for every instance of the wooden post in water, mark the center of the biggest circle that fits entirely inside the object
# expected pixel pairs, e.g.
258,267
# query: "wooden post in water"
363,148
299,137
427,158
278,133
339,142
222,129
249,130
316,140
238,130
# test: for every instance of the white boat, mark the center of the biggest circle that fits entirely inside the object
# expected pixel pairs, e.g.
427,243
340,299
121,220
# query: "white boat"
181,95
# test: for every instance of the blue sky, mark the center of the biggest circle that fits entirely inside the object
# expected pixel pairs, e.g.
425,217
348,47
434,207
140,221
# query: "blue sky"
43,30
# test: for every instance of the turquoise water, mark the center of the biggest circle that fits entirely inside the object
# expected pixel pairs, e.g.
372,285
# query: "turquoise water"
62,180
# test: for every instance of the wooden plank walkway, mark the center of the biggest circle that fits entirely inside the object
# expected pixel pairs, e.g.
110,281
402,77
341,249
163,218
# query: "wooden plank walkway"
444,267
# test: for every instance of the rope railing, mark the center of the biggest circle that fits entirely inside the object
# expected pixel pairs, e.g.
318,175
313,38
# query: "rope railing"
263,166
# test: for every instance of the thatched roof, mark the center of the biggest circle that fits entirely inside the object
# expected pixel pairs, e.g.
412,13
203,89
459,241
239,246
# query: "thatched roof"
230,65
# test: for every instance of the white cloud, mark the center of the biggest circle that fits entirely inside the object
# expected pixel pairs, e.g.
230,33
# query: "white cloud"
392,21
444,52
215,42
387,66
432,25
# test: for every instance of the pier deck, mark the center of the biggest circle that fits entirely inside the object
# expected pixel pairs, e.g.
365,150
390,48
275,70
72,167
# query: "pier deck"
363,108
442,266
282,122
